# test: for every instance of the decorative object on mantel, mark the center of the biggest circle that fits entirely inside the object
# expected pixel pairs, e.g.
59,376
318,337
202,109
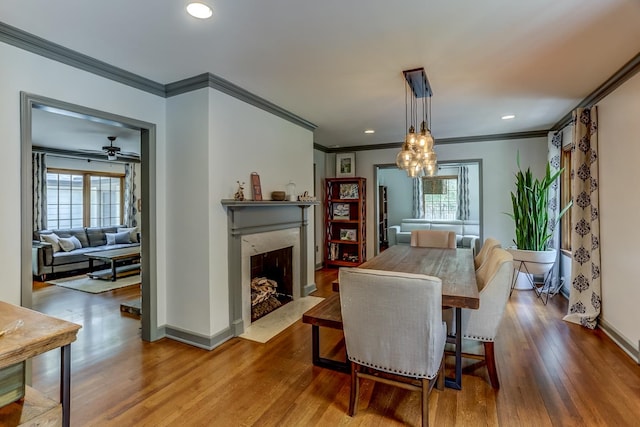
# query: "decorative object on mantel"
291,191
305,197
417,157
278,195
255,186
239,196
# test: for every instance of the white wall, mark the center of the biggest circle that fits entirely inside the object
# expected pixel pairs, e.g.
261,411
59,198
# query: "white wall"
319,160
498,169
220,140
619,151
24,71
188,205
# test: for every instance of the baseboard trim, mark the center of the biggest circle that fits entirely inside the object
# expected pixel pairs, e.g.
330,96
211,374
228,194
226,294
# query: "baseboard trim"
626,345
198,340
308,289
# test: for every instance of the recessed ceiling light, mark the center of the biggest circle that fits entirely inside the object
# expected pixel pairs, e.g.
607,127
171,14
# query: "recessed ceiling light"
369,131
199,10
508,117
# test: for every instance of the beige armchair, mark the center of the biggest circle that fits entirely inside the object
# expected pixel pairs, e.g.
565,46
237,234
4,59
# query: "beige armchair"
393,331
481,325
482,256
433,239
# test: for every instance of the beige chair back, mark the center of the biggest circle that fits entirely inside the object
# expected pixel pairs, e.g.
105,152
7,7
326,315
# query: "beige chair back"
482,324
393,321
487,247
433,239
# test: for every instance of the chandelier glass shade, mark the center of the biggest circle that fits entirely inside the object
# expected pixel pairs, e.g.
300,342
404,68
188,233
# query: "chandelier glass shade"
417,156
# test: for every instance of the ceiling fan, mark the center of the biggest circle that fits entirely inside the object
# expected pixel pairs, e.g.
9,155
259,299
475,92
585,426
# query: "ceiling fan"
112,152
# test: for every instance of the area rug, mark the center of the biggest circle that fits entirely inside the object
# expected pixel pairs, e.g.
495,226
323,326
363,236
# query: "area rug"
95,286
267,327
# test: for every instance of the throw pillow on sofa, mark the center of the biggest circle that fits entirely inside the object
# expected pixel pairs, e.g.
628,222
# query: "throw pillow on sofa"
53,239
68,244
117,238
133,233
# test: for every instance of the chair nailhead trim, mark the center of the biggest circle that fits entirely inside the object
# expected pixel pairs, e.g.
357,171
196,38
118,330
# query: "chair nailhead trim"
393,371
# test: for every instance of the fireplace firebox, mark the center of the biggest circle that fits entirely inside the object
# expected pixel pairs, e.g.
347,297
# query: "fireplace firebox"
271,281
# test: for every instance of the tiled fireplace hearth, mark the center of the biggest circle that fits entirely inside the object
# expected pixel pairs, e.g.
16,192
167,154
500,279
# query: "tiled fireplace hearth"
256,227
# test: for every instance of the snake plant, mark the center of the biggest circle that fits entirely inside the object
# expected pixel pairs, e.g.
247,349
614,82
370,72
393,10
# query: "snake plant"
530,213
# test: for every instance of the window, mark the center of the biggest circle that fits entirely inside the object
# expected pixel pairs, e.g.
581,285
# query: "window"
440,197
106,196
83,199
64,200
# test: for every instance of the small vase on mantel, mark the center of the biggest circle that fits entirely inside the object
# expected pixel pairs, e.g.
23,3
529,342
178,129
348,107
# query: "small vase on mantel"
291,191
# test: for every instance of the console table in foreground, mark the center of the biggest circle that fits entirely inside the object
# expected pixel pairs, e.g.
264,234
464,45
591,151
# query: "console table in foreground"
39,334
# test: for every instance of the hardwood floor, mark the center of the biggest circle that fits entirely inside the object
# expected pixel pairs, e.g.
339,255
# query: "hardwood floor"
552,373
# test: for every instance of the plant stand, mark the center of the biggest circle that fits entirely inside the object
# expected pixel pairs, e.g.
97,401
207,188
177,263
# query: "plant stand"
535,264
543,288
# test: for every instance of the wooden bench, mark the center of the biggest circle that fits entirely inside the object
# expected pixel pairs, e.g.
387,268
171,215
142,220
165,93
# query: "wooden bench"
326,314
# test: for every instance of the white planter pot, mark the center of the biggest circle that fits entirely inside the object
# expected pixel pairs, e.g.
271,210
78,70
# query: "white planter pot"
527,263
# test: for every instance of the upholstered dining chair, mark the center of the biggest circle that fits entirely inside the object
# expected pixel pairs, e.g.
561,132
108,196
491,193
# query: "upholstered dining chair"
433,239
487,246
481,325
393,331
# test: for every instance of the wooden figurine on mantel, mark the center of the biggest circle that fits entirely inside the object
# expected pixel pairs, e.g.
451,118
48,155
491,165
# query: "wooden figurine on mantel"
239,196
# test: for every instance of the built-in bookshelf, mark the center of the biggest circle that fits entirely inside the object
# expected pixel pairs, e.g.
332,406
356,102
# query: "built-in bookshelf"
345,222
383,223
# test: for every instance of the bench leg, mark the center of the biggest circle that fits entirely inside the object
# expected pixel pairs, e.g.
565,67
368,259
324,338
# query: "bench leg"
324,362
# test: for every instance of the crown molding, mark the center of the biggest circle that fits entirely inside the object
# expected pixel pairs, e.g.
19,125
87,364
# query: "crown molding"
623,74
23,40
225,86
320,148
442,141
34,44
29,42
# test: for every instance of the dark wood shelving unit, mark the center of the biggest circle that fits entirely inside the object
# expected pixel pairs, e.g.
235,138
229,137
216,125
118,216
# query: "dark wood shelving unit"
383,223
345,222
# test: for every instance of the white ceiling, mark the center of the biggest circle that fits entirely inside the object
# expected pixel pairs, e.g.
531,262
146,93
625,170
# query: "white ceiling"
339,64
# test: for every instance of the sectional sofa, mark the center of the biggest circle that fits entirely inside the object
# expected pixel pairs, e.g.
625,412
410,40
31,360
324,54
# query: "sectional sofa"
58,251
467,232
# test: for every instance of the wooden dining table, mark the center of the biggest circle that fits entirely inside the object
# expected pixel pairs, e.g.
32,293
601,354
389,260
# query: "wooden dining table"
459,288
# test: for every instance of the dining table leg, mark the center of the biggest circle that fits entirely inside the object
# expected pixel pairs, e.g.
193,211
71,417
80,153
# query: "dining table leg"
456,383
65,384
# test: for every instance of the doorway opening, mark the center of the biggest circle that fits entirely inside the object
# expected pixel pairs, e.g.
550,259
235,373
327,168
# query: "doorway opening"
147,135
394,198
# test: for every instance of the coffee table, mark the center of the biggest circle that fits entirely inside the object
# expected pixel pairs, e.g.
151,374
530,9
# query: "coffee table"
117,259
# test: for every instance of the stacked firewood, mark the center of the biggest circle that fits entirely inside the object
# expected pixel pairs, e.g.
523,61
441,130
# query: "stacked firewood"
263,297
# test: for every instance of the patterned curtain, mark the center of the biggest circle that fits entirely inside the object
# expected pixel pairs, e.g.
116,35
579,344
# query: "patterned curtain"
585,297
418,198
554,145
39,190
463,193
130,200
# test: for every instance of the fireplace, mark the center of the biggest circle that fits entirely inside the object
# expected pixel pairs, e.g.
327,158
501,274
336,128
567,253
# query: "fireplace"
271,281
259,227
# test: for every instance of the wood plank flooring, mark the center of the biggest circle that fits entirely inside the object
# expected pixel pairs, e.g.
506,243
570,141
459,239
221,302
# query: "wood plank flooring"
552,373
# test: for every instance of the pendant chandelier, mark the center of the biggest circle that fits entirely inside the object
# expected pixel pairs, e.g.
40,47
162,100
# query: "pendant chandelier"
417,157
